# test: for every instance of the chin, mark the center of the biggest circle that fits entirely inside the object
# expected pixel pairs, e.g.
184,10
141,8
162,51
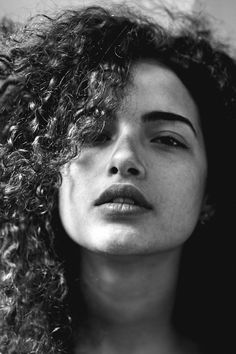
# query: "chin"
122,247
119,240
116,248
126,241
114,244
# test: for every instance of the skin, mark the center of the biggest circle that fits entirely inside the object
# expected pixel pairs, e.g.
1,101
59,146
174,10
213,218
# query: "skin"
129,263
171,174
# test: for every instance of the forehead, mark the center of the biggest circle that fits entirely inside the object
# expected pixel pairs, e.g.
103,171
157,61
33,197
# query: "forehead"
155,87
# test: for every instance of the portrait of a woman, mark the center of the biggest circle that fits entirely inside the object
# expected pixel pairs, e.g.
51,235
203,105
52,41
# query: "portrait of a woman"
117,190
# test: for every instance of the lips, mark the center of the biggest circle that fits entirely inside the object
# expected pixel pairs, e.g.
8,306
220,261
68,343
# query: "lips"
123,194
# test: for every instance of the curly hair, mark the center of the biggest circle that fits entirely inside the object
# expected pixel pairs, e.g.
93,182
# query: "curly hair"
61,80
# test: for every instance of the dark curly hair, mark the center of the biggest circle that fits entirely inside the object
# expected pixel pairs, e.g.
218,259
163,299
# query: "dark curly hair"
62,78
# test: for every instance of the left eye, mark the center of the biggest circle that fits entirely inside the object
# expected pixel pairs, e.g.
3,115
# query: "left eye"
169,141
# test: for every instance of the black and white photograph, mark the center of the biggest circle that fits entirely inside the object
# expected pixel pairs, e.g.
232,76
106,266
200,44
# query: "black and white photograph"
117,176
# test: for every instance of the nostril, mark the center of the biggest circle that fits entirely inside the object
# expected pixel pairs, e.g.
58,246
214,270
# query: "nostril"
130,170
133,171
114,170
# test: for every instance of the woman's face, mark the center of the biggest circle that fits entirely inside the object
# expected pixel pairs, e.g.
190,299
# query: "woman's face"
151,158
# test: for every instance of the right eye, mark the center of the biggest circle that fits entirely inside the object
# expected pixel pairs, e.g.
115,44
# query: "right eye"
101,139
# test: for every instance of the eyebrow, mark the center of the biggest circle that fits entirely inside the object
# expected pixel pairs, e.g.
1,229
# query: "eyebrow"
168,116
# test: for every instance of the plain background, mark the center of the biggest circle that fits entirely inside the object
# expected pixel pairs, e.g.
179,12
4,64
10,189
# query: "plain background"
224,11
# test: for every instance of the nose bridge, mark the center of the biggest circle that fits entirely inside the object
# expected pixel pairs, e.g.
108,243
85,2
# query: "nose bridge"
127,144
126,156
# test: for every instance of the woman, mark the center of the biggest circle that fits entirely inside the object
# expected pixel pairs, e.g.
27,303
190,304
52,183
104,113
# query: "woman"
113,158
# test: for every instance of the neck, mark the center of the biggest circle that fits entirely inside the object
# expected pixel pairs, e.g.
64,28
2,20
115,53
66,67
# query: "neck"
130,301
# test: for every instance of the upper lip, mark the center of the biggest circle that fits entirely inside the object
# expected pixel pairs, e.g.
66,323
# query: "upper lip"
123,191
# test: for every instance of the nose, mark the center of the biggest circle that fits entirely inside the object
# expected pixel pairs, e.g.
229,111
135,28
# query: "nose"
125,161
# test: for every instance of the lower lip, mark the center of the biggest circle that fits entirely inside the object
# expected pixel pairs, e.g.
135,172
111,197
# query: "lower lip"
119,209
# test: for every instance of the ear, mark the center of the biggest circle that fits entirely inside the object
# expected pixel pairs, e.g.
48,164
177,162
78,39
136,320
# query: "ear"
207,212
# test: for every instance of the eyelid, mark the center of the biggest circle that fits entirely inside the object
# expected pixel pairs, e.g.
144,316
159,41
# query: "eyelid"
106,136
173,135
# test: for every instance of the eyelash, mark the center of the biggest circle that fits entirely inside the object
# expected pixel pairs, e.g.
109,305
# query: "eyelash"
101,139
167,140
170,141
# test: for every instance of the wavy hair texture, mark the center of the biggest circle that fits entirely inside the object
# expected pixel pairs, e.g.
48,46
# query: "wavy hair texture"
61,80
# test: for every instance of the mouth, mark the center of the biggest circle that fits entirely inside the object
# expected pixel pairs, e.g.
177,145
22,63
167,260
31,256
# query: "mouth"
124,199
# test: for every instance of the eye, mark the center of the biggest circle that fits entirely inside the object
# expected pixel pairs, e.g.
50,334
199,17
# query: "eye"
101,138
169,141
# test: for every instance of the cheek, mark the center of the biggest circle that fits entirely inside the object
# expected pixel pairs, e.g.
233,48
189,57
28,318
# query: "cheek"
72,209
66,207
181,193
69,198
80,175
88,166
77,191
72,191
